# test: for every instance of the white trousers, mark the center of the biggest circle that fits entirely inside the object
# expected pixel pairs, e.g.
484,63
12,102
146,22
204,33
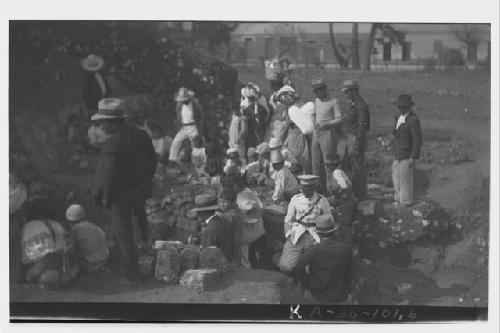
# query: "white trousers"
186,132
402,177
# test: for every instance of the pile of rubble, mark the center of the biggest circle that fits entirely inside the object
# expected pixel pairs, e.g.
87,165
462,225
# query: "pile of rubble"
381,226
173,262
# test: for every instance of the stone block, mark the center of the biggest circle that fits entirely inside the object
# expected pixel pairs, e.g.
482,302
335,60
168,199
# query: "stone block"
190,258
146,266
200,279
167,266
212,257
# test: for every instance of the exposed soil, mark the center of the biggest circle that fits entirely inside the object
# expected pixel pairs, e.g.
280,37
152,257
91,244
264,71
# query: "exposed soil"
454,109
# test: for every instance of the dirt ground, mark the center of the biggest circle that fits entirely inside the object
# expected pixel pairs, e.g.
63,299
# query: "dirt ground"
454,109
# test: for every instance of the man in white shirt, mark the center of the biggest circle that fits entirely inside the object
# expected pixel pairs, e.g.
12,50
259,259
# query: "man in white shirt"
189,118
285,183
300,222
344,198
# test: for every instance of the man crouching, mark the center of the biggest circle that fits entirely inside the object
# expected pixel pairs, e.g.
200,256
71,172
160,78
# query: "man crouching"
325,270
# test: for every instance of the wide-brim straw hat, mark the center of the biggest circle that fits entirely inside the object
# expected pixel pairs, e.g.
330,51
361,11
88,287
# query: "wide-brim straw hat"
349,84
325,224
183,95
318,83
205,202
110,108
92,63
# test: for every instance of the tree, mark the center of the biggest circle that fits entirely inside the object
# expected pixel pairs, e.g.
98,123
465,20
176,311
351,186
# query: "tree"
213,33
340,59
355,46
387,30
470,35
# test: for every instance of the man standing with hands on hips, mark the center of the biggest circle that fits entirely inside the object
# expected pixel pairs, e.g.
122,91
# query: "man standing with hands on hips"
407,145
356,124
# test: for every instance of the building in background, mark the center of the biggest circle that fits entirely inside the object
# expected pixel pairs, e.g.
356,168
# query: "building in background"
309,44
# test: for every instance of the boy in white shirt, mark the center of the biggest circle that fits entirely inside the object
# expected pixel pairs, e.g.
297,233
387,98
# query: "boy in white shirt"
341,188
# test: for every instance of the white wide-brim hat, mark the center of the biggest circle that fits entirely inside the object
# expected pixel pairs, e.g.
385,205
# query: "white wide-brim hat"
110,108
92,63
184,94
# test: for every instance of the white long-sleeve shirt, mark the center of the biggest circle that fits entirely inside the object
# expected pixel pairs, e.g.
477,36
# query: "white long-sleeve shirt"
284,183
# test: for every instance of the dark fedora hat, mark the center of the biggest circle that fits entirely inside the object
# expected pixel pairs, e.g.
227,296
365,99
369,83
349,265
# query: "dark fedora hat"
404,100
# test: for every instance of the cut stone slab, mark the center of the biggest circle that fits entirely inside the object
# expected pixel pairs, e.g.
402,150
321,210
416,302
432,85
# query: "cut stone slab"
213,257
190,258
167,266
200,279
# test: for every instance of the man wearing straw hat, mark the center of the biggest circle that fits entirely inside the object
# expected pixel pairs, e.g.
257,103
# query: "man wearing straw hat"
407,145
189,120
300,222
356,124
123,179
95,85
325,270
327,118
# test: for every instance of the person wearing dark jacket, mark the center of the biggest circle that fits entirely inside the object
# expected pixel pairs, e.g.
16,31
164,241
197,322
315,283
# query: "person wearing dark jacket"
123,178
216,229
356,124
325,269
95,84
407,145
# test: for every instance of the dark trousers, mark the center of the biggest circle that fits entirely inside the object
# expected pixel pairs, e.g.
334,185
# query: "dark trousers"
355,164
324,146
346,208
120,214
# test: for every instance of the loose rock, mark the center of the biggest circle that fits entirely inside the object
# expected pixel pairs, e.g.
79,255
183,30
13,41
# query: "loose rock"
167,266
200,279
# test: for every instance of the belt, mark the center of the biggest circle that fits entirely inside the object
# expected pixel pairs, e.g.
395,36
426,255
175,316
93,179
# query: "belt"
307,224
189,124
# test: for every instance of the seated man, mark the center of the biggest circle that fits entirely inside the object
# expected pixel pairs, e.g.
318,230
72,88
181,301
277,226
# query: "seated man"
341,188
216,230
230,211
285,183
300,225
325,270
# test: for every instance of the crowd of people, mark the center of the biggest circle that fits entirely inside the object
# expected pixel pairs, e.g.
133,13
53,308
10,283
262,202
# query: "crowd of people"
313,163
